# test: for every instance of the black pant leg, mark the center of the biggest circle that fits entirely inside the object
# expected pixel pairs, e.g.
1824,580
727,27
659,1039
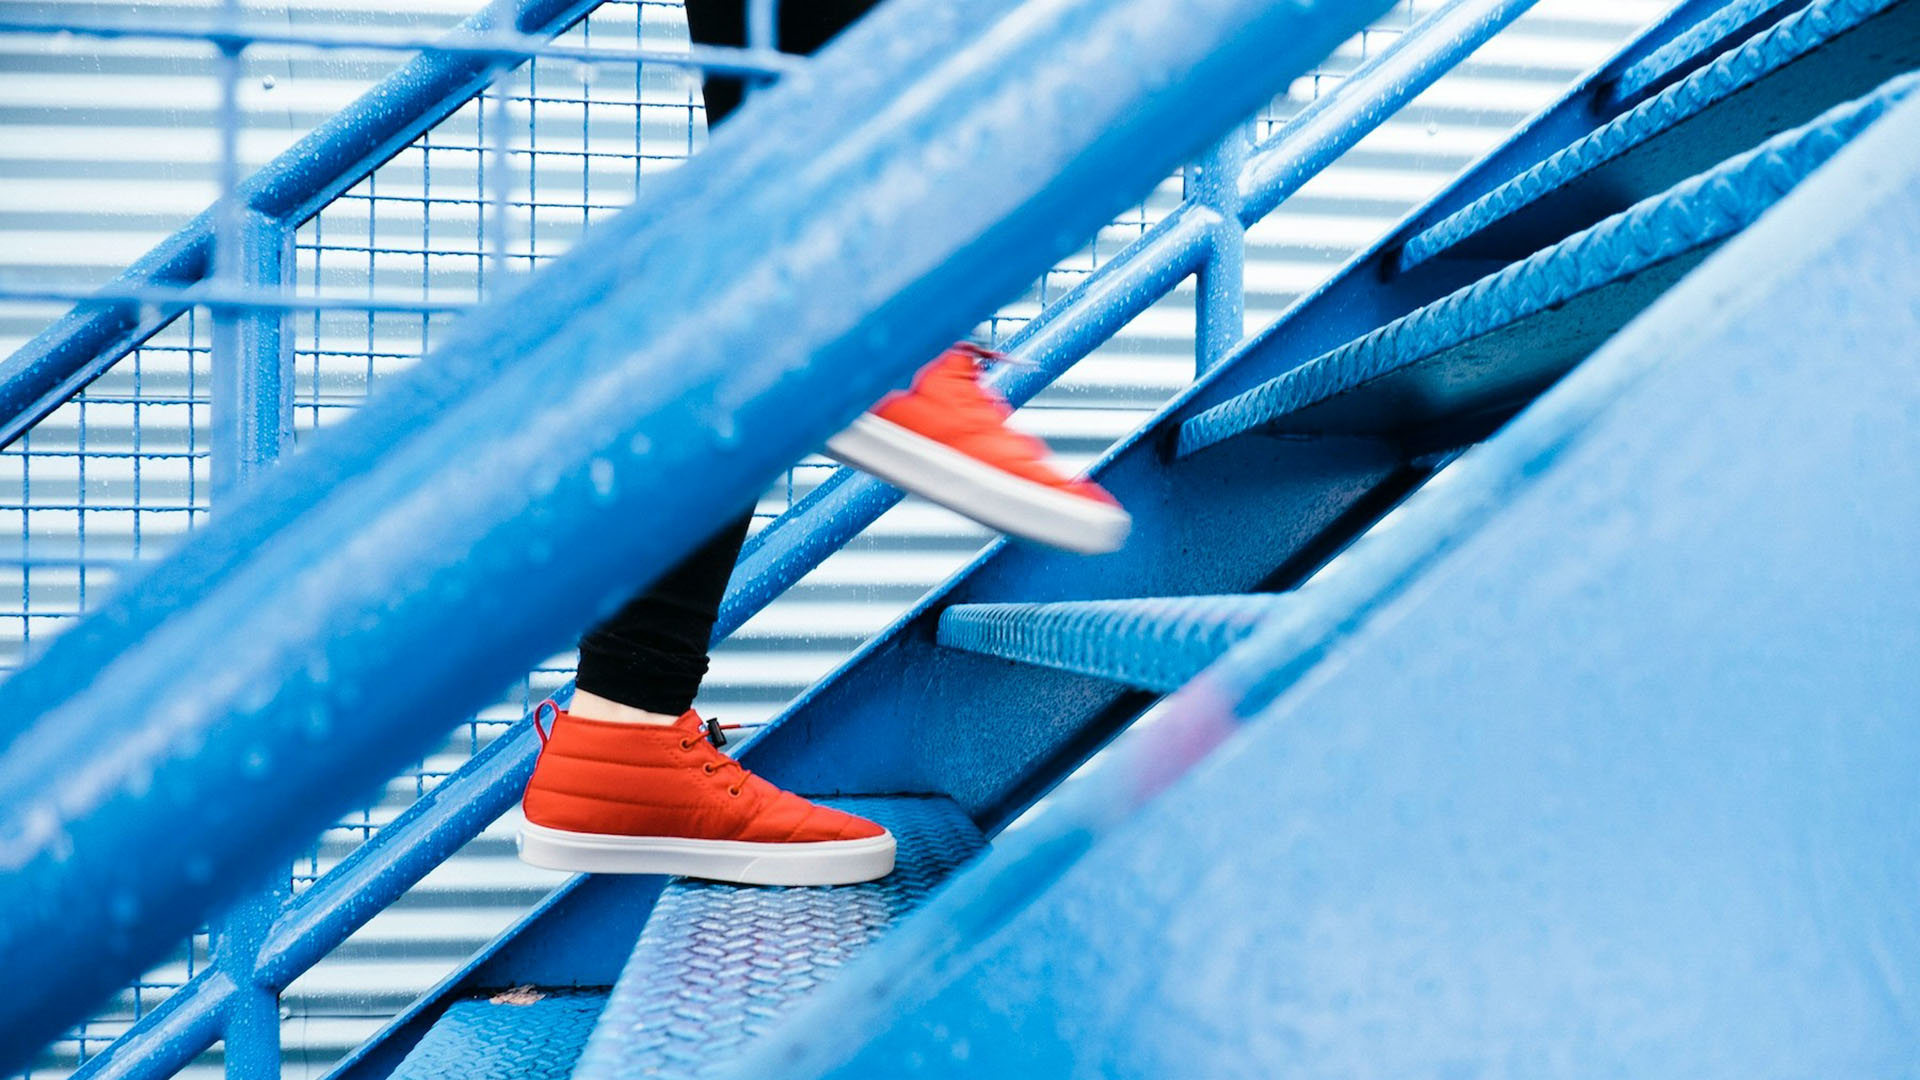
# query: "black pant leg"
652,653
804,26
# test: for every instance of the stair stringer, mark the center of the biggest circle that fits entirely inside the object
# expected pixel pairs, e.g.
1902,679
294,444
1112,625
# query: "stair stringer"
1606,771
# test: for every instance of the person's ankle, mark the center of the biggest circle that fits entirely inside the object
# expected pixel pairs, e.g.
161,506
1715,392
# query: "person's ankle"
594,707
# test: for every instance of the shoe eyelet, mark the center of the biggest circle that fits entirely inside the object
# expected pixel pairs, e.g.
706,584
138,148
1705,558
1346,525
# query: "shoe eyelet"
708,768
686,744
734,791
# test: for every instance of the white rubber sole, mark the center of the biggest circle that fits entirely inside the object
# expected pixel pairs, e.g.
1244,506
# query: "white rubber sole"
994,498
827,862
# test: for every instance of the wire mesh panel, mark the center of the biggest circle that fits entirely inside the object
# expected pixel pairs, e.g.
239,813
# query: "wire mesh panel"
117,473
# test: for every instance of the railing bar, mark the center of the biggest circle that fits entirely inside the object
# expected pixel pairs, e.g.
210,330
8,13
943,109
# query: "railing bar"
1332,123
753,64
217,297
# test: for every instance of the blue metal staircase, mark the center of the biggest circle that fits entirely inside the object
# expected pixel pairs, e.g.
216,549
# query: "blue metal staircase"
1423,684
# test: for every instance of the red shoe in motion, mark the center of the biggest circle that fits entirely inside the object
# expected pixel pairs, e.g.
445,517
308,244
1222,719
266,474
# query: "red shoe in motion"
660,799
946,439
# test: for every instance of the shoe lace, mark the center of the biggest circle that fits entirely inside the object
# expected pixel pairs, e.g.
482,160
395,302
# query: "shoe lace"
715,760
979,406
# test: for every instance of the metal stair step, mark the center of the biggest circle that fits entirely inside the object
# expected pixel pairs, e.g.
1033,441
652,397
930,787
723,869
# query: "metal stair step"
1735,20
1820,56
1507,336
718,964
1154,643
526,1034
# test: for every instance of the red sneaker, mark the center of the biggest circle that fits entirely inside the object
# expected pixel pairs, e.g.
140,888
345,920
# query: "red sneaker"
660,799
946,439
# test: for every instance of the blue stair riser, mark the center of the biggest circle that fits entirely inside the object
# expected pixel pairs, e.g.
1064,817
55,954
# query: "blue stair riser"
1503,338
1825,54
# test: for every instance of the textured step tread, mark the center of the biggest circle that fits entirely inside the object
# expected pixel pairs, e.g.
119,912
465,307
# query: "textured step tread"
1511,333
718,964
1698,40
1662,139
519,1035
1153,643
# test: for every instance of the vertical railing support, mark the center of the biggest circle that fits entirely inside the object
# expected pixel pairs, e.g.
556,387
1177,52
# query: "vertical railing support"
1221,308
251,1032
252,398
252,420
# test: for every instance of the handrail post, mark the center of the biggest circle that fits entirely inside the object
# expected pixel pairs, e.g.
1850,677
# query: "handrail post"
1220,310
252,420
252,396
251,1028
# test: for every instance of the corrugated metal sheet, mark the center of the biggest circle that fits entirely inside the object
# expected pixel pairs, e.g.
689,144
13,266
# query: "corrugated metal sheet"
106,148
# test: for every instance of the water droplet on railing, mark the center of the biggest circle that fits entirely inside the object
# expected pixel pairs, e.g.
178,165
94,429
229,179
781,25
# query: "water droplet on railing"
267,82
600,471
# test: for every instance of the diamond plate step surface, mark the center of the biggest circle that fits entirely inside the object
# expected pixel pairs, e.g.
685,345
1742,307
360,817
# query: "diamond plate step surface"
1155,644
1824,54
527,1034
718,964
1509,335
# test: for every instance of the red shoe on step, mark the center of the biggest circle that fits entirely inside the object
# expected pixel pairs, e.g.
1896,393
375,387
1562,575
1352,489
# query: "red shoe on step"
660,799
946,439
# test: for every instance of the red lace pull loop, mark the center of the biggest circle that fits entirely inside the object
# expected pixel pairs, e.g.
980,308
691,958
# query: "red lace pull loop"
544,733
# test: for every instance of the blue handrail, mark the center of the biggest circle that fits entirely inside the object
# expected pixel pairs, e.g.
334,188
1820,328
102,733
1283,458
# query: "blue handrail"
183,737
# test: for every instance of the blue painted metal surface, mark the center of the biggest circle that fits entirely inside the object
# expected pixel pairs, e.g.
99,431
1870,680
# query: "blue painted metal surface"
1611,775
1699,44
252,399
452,812
519,1034
1439,360
410,535
1220,309
717,965
1827,53
772,550
1410,37
1154,644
